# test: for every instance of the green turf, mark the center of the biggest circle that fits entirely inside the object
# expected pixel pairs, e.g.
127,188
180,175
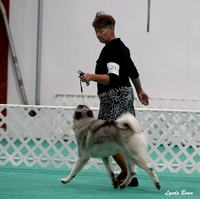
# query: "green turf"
24,182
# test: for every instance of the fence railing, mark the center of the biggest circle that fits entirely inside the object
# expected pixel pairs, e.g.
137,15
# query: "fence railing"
43,135
62,99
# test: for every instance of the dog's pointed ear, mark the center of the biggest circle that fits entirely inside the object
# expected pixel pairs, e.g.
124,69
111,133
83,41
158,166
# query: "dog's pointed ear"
78,115
90,113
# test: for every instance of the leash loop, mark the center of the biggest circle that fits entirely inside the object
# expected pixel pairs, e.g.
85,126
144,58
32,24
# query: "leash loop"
82,73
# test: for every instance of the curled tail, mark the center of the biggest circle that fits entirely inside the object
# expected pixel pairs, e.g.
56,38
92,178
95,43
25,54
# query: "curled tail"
128,120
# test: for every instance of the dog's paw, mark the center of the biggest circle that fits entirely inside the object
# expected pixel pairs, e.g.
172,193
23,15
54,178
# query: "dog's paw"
122,186
158,185
115,183
63,180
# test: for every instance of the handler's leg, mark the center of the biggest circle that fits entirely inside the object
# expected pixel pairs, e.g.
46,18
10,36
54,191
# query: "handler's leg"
119,158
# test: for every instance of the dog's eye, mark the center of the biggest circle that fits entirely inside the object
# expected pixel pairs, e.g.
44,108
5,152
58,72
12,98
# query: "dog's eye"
90,114
78,115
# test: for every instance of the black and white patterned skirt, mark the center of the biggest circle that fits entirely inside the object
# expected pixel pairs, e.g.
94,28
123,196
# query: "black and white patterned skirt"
115,102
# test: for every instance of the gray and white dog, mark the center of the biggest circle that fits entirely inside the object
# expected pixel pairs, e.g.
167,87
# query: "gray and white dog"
102,139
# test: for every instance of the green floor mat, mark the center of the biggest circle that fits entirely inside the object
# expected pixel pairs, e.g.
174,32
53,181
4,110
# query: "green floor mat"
34,183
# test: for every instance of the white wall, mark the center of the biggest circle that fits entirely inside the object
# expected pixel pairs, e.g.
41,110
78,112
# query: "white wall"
167,58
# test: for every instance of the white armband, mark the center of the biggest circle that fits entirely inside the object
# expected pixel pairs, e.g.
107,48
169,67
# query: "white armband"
113,68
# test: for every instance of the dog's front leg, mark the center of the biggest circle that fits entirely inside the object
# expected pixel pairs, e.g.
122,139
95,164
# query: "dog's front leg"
108,164
77,167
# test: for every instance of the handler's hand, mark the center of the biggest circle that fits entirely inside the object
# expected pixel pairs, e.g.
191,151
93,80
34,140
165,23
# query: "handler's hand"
86,77
144,98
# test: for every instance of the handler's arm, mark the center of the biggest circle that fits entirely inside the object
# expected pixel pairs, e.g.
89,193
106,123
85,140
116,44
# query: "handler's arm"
102,79
143,97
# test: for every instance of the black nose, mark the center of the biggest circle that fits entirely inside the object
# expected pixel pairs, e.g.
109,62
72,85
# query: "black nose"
80,106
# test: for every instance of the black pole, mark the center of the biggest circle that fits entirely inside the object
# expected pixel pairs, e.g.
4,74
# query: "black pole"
39,52
148,15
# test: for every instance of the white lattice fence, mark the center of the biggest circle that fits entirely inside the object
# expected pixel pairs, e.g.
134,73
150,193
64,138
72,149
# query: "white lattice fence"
43,135
174,103
74,100
173,137
40,135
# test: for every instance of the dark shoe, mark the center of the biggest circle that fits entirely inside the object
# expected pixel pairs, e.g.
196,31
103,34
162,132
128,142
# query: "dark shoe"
134,182
121,177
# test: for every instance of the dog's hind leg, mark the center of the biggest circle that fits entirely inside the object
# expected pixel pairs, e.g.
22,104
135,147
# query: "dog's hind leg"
137,151
108,164
142,163
77,167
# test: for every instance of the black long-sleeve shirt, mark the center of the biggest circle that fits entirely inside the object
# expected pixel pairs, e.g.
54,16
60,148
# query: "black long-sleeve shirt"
115,61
